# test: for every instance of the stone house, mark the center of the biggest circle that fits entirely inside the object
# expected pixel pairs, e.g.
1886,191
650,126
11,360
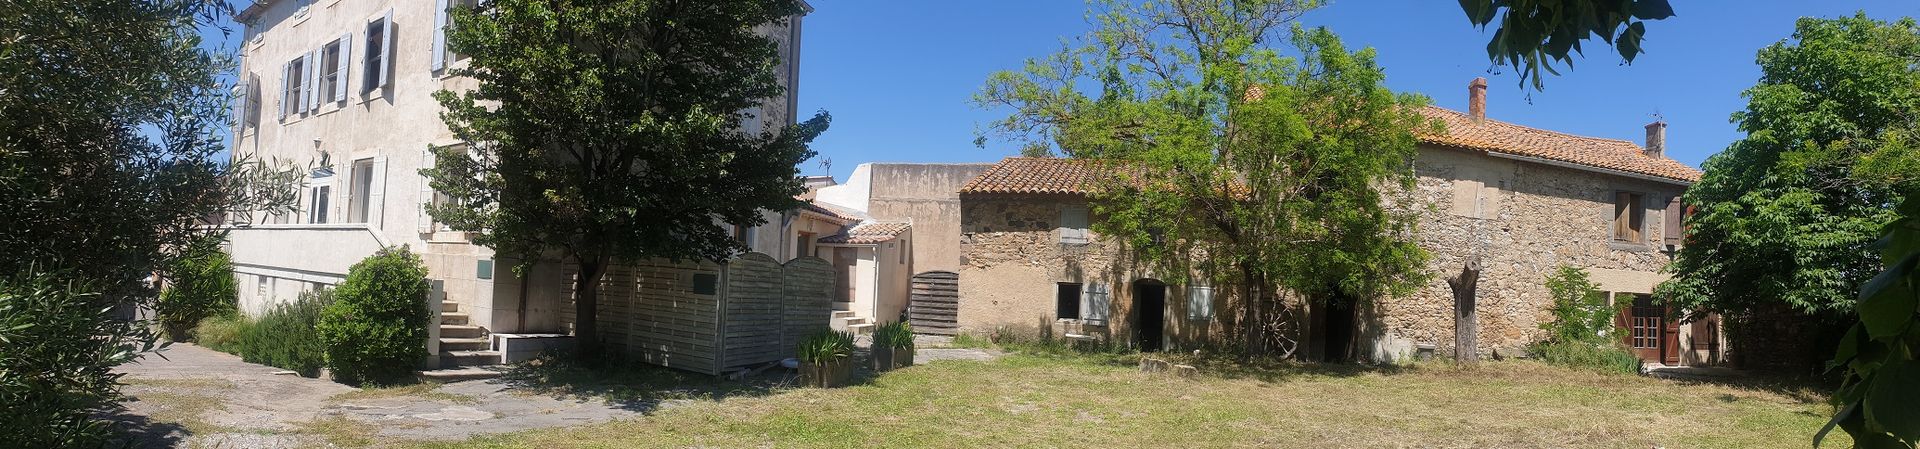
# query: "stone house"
924,198
1524,200
346,86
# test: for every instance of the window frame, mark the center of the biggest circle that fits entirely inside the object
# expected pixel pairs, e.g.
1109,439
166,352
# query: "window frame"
360,191
1629,216
1064,302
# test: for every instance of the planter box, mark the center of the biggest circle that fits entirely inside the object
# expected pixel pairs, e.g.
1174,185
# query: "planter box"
887,359
827,375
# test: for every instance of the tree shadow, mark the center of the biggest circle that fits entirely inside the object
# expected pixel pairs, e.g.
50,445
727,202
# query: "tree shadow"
1801,389
133,430
635,386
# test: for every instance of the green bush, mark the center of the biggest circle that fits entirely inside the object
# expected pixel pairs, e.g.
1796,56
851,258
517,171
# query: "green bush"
825,345
288,335
895,335
1580,310
1584,355
59,343
375,332
199,285
222,333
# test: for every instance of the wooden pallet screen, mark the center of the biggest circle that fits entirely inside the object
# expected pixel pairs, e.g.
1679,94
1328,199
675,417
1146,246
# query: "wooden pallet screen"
934,307
710,318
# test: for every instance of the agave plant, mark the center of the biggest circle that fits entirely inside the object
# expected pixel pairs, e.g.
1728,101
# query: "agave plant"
826,346
896,335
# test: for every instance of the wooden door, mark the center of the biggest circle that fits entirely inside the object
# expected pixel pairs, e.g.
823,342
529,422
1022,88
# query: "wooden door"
1646,327
845,261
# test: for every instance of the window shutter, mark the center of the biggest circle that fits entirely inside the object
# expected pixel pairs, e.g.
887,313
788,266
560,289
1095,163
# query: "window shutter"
1673,215
310,91
439,35
1199,303
386,49
285,90
376,202
341,65
1094,309
424,220
240,107
1073,224
252,114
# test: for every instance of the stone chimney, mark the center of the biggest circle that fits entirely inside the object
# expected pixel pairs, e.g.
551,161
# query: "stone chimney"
1657,139
1477,98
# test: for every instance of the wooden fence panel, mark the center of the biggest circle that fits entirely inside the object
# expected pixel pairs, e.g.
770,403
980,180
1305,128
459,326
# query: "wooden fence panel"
934,306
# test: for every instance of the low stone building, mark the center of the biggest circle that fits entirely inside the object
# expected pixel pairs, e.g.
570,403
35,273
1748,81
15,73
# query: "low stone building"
1524,200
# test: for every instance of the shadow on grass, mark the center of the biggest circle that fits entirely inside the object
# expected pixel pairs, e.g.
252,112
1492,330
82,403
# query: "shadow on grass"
1802,389
632,385
138,431
1212,365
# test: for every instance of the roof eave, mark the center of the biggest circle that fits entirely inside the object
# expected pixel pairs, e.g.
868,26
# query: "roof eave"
1585,167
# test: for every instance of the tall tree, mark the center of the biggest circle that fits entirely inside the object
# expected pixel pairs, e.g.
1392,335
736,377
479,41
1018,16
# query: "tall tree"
1786,215
1281,168
111,118
610,131
1533,34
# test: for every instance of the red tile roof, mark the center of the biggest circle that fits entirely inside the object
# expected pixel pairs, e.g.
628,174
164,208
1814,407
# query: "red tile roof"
1501,137
872,232
1035,175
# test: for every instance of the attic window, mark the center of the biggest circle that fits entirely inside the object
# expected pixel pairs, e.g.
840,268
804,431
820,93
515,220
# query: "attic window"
1629,218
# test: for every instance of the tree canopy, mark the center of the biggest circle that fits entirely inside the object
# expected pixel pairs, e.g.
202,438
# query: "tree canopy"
1533,34
1786,215
1281,167
611,131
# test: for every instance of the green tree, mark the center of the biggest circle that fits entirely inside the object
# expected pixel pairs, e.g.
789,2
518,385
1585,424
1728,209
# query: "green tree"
1580,311
375,329
111,118
1533,34
1882,383
199,285
610,131
1786,215
1280,168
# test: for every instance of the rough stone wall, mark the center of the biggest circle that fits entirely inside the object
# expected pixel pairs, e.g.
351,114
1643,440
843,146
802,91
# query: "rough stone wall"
1524,219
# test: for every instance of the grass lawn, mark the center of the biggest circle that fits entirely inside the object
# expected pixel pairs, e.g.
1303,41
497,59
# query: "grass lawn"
1034,400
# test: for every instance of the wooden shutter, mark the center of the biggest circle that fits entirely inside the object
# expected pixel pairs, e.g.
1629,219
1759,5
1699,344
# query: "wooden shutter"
1673,215
386,49
252,114
439,35
285,89
424,220
1094,309
341,65
1073,224
376,200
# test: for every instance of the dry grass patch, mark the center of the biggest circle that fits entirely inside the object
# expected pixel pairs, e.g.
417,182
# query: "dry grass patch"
1058,401
424,390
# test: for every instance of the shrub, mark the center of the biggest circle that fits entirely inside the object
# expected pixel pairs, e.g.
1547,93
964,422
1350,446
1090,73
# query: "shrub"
1583,355
375,331
58,346
199,285
825,346
222,333
895,335
288,335
1580,310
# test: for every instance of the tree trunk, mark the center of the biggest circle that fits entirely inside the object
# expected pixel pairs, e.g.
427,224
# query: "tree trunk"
1255,323
586,306
1466,325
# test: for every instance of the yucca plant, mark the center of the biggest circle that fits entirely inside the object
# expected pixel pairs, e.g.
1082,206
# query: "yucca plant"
823,358
892,346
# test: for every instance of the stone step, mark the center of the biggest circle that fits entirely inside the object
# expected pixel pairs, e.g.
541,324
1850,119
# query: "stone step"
451,359
860,328
449,306
858,321
843,314
465,344
461,331
454,318
458,374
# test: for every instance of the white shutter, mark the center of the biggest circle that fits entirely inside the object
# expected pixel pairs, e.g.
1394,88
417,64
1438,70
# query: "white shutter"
309,92
376,213
285,89
439,35
1094,303
386,49
1199,303
1073,224
342,63
240,107
424,221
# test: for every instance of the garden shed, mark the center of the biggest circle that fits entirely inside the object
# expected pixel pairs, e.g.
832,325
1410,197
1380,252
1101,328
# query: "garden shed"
710,317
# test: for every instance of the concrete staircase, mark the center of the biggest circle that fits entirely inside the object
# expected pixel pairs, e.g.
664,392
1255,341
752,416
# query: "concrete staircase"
844,320
465,350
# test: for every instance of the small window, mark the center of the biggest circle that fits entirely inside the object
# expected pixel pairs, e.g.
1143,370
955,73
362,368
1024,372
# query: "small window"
803,245
906,246
1629,218
379,41
1199,303
361,191
483,269
333,72
264,287
292,99
744,235
317,203
1073,224
1067,301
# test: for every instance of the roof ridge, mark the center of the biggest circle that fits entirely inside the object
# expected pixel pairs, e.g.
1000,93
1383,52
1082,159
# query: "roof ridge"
1544,130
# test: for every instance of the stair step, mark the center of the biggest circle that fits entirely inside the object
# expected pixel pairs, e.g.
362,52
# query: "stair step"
469,358
860,320
843,314
449,306
860,328
454,318
461,331
458,374
465,344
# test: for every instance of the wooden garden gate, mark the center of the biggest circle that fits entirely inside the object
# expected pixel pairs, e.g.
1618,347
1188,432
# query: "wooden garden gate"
934,306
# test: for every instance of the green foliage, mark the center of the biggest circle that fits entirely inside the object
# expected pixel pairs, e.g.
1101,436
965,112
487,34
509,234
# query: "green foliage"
57,353
200,285
1876,403
825,346
1786,215
1580,311
1533,34
288,335
1281,167
375,331
222,333
895,335
1609,358
611,131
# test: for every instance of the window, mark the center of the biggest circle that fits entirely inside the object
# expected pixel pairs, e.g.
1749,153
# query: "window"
1675,218
333,71
906,246
361,191
1073,224
318,202
1629,218
265,286
293,82
252,112
1199,303
803,245
1066,300
443,21
379,43
744,235
483,269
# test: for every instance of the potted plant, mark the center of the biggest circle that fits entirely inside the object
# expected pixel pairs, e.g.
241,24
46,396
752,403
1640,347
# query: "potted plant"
893,346
825,358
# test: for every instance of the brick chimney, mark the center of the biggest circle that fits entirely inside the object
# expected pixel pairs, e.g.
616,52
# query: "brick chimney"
1477,98
1657,139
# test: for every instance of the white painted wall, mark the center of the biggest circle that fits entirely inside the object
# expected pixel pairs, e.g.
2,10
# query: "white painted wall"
852,194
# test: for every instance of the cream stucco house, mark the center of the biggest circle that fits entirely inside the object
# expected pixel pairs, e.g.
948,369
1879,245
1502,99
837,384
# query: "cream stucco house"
346,86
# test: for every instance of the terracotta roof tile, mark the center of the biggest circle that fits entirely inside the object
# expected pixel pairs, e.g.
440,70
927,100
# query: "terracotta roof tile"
1034,175
1502,137
869,232
832,210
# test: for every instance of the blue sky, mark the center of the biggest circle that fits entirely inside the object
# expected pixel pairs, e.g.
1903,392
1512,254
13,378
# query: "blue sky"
897,75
